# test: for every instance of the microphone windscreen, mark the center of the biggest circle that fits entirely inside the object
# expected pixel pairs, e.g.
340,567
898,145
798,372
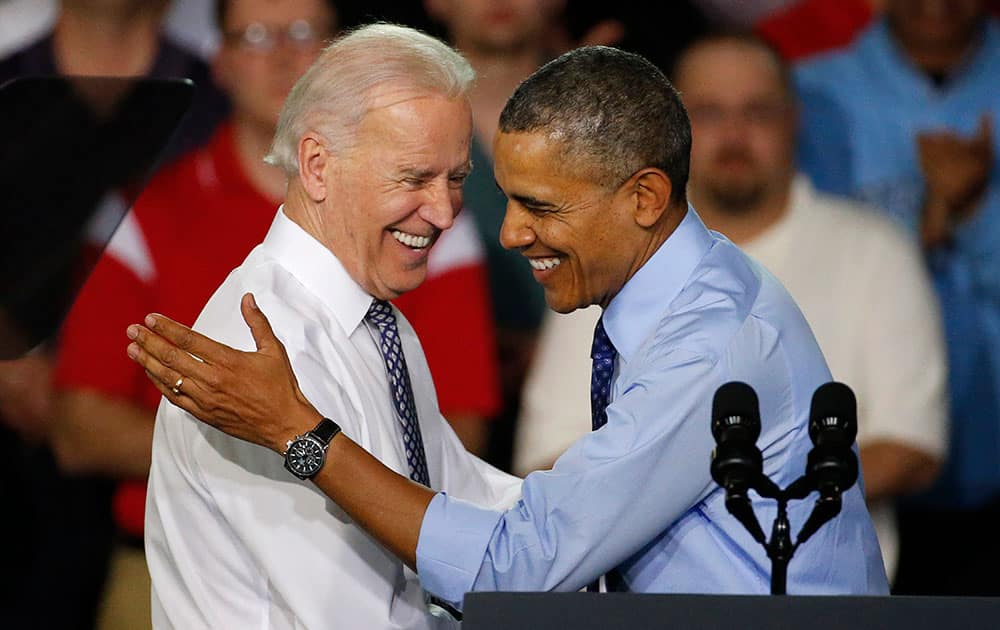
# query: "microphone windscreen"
834,406
735,405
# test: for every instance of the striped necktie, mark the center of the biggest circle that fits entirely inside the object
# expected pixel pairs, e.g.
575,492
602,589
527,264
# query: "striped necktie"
380,314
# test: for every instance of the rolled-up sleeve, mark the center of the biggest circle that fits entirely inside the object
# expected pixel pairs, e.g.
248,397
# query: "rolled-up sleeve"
453,540
610,494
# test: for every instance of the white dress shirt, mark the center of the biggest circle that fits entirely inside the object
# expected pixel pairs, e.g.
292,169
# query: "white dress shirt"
863,289
233,540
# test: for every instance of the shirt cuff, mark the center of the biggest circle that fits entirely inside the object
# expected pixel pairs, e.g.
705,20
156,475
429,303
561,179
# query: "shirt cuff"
452,546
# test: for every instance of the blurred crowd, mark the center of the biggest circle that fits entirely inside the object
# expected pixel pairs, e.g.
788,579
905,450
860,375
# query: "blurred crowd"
847,145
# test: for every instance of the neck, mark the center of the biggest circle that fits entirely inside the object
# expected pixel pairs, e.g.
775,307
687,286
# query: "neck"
253,140
499,75
95,42
658,235
303,211
745,224
940,59
308,214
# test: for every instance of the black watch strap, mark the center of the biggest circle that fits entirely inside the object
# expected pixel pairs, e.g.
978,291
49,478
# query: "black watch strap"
325,431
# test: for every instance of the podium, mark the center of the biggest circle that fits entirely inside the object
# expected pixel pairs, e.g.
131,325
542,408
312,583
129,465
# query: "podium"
628,611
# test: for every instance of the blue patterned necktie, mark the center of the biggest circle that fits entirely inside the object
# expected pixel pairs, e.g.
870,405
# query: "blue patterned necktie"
381,316
603,353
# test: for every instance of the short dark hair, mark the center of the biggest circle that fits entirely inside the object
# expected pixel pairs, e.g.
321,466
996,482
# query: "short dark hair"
613,110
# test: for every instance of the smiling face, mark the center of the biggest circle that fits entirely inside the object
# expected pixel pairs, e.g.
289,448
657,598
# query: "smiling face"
400,184
581,239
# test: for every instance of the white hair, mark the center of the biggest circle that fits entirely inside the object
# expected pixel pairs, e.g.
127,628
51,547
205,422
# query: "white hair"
336,92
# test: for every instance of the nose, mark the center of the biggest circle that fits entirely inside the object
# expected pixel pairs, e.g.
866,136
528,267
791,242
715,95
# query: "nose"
441,205
516,232
734,127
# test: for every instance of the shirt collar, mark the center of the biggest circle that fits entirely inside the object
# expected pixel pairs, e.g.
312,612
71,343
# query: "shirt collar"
318,270
639,306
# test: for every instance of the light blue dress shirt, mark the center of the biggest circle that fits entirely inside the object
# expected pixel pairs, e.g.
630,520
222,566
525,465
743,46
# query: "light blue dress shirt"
636,495
862,109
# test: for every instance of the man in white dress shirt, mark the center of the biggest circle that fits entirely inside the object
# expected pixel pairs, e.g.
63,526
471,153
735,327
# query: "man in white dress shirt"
859,282
374,139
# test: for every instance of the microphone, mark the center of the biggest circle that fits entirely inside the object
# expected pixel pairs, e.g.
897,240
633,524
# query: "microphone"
737,464
833,425
832,466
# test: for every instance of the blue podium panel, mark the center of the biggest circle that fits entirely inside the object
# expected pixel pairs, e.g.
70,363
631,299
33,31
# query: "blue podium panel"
620,611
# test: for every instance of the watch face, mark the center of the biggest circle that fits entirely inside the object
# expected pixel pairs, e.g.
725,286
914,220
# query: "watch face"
305,457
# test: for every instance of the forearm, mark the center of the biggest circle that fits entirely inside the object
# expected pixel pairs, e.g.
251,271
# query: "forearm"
95,434
893,469
471,429
937,223
26,395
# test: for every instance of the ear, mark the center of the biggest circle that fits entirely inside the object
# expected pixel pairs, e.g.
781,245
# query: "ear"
649,190
313,162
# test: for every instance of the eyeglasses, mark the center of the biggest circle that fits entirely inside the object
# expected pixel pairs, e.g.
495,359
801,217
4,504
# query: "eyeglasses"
258,37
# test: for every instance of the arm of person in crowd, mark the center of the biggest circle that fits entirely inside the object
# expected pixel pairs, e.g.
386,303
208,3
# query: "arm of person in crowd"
100,425
26,395
956,171
471,429
904,395
96,434
893,469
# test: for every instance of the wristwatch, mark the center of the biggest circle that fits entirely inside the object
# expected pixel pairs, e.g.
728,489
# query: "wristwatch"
306,454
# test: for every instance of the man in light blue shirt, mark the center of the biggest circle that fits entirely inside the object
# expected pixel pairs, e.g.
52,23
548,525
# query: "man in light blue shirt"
636,495
595,179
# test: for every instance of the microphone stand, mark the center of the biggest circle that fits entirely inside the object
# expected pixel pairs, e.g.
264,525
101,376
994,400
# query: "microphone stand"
737,466
780,548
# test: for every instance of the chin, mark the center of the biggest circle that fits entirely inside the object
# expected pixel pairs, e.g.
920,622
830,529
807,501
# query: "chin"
407,284
563,305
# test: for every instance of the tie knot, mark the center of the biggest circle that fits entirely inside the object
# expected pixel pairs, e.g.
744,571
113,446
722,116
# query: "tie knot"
380,313
602,348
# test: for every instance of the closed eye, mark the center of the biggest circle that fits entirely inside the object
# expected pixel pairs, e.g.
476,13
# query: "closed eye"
535,206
